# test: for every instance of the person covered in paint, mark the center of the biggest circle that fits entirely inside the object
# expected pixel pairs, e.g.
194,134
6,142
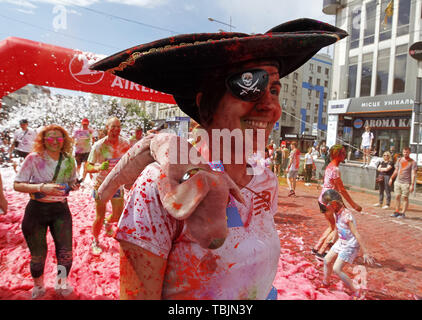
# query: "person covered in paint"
139,133
104,155
332,180
223,81
83,138
23,140
48,174
347,246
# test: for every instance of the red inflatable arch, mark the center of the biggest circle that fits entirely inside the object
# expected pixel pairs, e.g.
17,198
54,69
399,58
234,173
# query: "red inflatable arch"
25,62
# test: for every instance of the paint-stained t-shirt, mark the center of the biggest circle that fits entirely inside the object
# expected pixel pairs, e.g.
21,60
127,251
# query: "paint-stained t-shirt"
83,140
101,152
40,168
25,139
294,160
332,173
244,267
345,235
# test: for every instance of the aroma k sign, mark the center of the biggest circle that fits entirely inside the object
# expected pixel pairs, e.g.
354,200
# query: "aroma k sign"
388,123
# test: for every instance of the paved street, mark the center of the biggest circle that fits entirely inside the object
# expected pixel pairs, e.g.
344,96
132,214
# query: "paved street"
396,244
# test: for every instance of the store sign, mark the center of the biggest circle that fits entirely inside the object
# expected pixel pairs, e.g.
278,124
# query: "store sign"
397,102
358,123
290,135
384,123
415,50
338,106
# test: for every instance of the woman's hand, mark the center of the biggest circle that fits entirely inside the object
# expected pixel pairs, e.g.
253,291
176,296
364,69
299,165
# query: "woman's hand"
390,182
368,259
357,207
53,189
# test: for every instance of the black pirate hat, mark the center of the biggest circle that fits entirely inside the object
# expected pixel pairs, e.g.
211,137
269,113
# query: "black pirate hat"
177,65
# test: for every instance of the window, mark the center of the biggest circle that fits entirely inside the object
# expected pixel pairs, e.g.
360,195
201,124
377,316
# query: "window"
308,106
294,104
325,95
286,87
284,103
327,72
365,82
324,109
292,118
283,116
355,27
294,90
385,22
326,83
318,82
403,21
310,80
382,71
352,77
369,23
400,69
319,69
311,67
295,76
316,107
308,118
309,93
317,93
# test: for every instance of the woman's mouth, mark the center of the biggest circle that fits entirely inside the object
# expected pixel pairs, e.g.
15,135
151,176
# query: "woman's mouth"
255,124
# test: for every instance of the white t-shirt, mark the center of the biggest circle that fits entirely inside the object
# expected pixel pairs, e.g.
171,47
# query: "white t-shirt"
40,168
366,139
26,140
308,159
244,267
345,235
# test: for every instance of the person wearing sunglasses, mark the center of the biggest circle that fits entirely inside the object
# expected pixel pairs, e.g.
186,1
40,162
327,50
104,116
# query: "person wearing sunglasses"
48,173
226,82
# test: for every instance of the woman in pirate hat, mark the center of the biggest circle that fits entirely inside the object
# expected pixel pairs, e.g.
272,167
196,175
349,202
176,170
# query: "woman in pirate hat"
223,81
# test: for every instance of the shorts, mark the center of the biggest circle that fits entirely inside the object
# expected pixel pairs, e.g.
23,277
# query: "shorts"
118,195
322,207
345,252
292,174
81,157
366,147
401,189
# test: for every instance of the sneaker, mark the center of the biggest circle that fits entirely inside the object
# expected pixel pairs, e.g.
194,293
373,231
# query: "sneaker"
313,251
37,292
401,216
320,256
108,229
363,166
386,207
377,205
65,291
95,248
291,193
395,214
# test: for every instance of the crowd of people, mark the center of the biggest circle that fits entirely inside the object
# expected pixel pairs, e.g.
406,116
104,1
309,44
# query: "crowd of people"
161,252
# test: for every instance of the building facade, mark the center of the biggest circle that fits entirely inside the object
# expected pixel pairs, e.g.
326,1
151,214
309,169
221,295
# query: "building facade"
374,78
304,101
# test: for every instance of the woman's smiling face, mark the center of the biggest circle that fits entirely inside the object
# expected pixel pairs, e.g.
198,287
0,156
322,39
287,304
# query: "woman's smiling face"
53,140
233,113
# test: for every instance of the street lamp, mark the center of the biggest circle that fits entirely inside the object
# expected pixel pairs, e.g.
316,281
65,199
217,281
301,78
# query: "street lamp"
230,25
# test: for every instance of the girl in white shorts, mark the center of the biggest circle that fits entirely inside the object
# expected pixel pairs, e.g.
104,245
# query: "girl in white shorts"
348,244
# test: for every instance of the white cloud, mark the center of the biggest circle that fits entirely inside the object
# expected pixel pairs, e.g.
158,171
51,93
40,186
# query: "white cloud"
140,3
21,3
259,16
26,11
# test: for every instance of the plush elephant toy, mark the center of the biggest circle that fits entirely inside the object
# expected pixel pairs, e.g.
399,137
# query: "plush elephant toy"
189,190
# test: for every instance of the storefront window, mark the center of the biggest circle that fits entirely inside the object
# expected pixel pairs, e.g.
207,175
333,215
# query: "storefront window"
365,84
369,28
385,22
356,21
382,71
400,69
352,77
403,21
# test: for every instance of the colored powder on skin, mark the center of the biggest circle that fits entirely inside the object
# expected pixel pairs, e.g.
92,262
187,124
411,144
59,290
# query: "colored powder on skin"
177,206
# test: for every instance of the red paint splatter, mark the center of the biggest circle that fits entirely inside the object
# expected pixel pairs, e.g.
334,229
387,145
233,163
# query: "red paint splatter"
231,265
237,244
177,206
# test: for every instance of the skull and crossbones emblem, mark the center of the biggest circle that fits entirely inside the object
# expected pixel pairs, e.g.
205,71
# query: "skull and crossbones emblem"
247,79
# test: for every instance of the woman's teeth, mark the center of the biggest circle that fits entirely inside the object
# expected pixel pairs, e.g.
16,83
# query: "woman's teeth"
257,124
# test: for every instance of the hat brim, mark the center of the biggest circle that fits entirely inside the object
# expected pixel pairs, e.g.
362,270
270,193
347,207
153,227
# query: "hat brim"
177,65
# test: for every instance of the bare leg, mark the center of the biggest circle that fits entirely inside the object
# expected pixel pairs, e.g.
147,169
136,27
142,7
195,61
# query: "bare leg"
328,266
398,203
338,269
405,204
100,207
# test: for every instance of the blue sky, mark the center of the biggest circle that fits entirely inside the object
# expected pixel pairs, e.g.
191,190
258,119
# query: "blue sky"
105,27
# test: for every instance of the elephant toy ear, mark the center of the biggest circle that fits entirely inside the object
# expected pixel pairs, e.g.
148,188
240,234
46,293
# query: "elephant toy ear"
182,199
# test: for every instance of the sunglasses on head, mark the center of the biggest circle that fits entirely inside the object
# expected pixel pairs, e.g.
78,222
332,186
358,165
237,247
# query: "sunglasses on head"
52,139
248,85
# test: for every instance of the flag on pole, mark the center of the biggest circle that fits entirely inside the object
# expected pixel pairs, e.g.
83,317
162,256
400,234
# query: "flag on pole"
388,11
